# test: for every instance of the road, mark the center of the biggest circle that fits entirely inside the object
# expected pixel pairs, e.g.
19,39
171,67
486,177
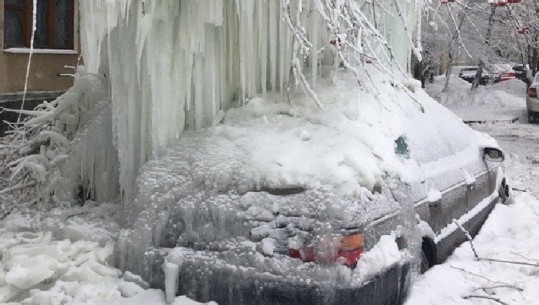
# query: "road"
520,141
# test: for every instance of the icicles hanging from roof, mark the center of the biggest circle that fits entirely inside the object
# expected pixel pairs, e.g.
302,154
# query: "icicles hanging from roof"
177,64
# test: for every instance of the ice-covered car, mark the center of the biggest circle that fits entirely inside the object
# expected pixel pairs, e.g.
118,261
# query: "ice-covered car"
532,102
281,203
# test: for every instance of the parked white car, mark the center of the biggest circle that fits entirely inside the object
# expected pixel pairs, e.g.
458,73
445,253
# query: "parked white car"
532,102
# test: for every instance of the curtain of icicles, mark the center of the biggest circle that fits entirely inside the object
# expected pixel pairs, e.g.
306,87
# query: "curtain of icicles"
177,64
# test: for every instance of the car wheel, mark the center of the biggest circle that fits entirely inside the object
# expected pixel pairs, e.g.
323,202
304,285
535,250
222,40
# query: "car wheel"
531,117
424,265
428,255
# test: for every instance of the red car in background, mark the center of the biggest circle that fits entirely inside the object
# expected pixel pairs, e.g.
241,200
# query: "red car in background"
507,75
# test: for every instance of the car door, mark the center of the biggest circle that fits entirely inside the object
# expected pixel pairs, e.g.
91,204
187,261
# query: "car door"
450,167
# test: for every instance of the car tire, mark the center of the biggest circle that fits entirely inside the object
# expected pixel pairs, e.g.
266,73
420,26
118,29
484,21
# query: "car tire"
428,255
424,264
531,117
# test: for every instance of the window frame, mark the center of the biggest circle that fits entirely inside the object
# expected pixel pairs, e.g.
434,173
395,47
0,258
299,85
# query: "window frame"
26,9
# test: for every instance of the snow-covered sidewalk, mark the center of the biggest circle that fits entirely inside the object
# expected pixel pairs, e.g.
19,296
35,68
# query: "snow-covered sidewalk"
66,256
509,234
501,102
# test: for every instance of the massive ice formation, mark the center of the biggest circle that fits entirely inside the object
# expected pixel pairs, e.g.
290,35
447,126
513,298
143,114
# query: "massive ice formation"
177,64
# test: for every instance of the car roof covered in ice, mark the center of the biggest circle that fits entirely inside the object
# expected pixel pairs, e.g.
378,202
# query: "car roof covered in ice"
361,137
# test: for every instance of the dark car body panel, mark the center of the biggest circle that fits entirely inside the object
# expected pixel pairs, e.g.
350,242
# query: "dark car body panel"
231,285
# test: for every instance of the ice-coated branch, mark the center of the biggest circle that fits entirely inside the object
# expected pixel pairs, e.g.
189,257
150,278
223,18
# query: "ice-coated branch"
495,283
509,262
35,151
301,40
29,64
416,49
468,236
475,296
355,38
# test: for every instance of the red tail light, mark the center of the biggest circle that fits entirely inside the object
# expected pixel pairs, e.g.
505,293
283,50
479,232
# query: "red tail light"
532,92
346,250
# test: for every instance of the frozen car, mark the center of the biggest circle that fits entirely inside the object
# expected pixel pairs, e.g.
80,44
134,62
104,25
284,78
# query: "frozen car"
532,102
284,204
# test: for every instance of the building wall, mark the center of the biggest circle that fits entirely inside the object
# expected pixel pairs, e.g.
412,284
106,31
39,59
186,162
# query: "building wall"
44,71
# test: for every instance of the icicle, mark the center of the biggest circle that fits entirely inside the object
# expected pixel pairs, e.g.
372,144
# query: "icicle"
262,43
314,52
28,65
172,272
273,27
174,65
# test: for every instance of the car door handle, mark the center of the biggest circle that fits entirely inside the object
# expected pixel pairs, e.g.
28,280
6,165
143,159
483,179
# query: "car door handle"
435,204
434,197
470,180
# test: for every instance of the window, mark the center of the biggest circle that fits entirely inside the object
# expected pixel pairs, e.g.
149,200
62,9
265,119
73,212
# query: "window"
54,23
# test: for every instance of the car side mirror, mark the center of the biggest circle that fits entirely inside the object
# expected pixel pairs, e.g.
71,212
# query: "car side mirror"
493,154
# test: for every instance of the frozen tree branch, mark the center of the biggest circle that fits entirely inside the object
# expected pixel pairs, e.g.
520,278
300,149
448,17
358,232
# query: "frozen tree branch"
36,149
355,38
468,236
498,283
509,262
497,300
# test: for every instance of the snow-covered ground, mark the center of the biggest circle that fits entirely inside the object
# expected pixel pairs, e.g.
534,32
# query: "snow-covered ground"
502,101
65,256
511,232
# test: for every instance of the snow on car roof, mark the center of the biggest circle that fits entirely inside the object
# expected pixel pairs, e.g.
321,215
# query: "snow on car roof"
351,144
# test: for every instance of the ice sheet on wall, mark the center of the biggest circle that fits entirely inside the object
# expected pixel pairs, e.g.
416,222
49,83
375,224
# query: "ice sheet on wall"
178,64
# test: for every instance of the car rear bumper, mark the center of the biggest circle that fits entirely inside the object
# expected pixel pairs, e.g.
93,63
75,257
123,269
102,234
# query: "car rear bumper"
208,280
532,104
384,289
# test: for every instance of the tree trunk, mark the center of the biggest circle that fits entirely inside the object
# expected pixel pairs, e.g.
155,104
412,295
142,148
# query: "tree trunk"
448,71
479,73
535,58
477,80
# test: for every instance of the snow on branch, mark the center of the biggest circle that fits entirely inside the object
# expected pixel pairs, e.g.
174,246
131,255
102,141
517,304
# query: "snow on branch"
42,153
356,38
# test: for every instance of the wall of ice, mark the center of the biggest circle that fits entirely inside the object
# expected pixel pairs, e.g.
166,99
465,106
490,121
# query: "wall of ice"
177,64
